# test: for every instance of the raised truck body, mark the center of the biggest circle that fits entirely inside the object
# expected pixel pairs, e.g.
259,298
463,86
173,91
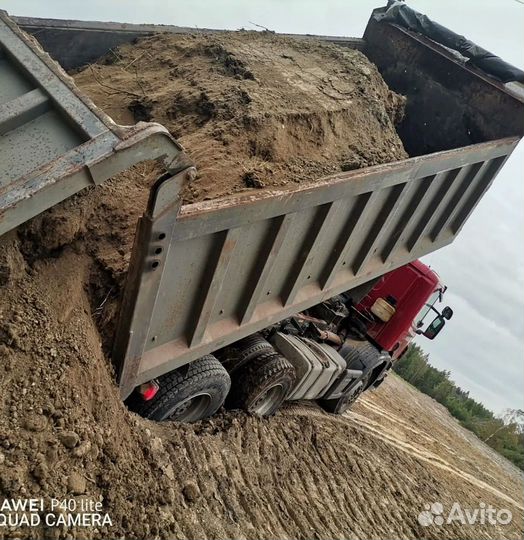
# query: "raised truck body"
206,276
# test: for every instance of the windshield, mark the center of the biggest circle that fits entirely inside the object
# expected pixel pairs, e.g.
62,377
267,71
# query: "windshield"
432,300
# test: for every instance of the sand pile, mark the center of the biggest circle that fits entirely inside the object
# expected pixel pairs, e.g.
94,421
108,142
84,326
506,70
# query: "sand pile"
309,109
253,109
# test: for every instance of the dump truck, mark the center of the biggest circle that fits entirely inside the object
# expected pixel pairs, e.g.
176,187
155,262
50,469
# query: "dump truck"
251,299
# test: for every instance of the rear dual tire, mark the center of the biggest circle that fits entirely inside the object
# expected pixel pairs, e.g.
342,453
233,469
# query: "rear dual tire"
187,396
261,386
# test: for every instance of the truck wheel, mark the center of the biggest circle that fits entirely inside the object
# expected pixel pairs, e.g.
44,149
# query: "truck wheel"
359,354
188,397
346,401
262,385
242,352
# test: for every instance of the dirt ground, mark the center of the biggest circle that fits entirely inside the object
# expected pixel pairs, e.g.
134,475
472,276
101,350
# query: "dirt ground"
253,109
303,474
64,433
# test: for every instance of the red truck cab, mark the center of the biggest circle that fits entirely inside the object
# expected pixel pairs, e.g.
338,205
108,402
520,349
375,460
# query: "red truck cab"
398,305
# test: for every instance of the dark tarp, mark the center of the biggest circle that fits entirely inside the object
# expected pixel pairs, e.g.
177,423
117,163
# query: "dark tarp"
399,13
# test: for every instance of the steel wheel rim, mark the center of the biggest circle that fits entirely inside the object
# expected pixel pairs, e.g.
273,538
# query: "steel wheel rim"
266,401
353,397
190,409
350,398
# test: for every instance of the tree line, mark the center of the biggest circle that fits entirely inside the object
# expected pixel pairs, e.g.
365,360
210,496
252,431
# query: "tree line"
505,434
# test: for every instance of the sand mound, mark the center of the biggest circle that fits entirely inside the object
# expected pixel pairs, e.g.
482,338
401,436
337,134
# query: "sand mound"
253,109
310,109
64,433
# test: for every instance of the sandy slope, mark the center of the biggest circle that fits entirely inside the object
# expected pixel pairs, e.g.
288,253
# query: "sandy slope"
64,432
305,474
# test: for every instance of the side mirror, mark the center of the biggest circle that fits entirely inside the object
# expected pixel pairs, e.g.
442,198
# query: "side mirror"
435,327
447,313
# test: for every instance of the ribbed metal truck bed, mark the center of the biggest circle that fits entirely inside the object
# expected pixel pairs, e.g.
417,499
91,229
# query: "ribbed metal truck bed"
207,274
54,142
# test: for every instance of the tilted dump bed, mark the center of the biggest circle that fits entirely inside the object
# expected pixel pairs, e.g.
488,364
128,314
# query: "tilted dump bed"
207,274
53,142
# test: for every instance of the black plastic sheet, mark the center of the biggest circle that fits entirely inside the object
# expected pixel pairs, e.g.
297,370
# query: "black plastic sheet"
398,12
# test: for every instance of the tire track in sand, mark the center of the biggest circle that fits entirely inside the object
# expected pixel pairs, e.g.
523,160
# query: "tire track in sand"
361,422
375,429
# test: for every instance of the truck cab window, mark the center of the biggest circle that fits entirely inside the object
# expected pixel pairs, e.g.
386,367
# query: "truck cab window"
427,308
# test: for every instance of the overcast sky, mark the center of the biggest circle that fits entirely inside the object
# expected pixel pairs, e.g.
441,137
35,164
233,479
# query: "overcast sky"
483,345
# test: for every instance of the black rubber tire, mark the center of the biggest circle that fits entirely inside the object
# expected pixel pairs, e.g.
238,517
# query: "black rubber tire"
262,385
345,402
360,355
201,390
242,352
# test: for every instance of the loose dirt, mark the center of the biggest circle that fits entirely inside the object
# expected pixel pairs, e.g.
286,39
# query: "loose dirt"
64,433
253,109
